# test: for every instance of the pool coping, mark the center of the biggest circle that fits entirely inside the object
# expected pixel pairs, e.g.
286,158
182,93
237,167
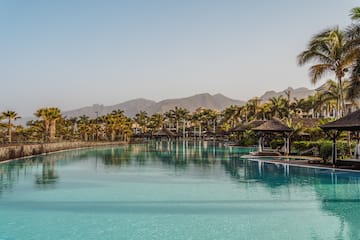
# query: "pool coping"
59,151
287,162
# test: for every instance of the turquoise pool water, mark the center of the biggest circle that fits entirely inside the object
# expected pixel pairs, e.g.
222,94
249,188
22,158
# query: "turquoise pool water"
173,191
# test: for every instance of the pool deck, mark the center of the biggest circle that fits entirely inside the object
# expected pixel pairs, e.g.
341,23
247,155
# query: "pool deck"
300,161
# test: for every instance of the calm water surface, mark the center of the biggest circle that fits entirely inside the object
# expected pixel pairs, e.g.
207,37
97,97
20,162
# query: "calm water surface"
173,191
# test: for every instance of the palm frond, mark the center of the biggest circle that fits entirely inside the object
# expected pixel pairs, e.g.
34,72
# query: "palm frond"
355,13
317,71
312,56
353,32
353,91
350,58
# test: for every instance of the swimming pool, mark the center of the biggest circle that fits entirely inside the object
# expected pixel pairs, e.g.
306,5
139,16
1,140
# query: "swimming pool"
173,190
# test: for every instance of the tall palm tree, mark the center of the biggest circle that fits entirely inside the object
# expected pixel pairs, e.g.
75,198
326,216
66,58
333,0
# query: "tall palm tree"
232,115
35,130
297,107
353,34
156,121
254,107
116,123
353,91
199,119
49,117
288,101
331,52
277,106
54,115
10,116
142,119
210,119
43,114
83,127
179,114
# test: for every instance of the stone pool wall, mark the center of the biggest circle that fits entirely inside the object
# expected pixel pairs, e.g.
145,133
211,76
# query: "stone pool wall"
24,150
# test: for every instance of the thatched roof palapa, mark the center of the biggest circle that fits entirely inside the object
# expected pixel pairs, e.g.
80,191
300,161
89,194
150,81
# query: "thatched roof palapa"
350,122
273,125
164,132
248,125
217,133
306,122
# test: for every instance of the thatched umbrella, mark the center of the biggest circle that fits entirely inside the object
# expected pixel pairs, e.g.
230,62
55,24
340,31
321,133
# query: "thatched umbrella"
164,132
306,122
248,125
273,126
350,122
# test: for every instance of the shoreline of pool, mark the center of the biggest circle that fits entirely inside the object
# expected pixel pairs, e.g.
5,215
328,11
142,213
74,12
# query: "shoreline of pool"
304,162
24,151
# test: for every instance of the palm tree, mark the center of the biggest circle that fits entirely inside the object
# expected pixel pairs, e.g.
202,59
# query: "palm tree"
288,101
156,121
10,116
313,105
297,107
114,123
54,115
254,107
182,114
49,117
199,119
83,127
66,129
353,34
142,119
232,115
330,94
353,91
179,114
43,114
210,119
277,106
35,130
332,52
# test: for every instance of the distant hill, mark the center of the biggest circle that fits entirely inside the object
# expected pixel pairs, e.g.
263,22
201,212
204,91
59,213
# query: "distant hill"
297,93
130,108
205,100
216,102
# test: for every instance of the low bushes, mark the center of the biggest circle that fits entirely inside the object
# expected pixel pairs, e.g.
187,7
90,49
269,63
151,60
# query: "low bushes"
323,148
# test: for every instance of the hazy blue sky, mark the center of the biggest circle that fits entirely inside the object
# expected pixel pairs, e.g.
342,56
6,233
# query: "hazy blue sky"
73,53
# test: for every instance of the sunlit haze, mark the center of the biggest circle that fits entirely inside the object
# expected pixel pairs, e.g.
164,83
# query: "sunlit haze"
71,54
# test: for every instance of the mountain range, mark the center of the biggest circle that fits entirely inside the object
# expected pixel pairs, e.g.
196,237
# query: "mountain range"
297,93
217,102
131,108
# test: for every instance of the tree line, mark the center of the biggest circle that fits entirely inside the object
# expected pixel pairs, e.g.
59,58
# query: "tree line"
51,125
331,51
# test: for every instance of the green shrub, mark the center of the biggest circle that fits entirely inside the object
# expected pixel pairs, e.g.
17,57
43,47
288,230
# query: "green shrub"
323,146
275,143
300,146
247,142
326,150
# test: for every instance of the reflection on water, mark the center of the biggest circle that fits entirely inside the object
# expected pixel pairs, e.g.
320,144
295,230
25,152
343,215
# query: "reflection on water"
337,192
48,175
